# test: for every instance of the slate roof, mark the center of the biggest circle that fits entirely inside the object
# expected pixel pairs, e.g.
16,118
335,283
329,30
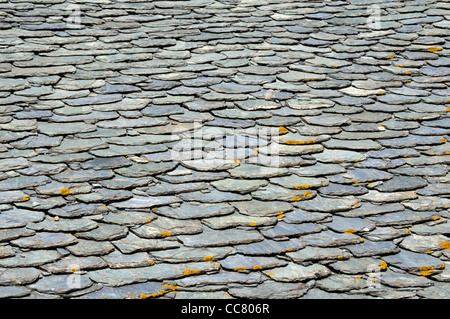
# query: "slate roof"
95,203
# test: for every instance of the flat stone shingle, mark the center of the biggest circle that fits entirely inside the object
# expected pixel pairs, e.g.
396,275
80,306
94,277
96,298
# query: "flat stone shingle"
224,149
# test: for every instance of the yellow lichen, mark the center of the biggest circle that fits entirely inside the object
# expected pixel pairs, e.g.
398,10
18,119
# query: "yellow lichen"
426,270
434,49
151,262
65,191
289,249
340,257
270,274
26,198
293,142
239,268
350,231
191,272
253,224
256,267
445,244
208,258
391,56
166,233
442,265
310,141
383,264
144,296
307,194
408,230
171,286
296,198
283,130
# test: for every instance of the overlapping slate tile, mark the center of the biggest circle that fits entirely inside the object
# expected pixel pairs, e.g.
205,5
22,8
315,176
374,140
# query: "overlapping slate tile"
326,148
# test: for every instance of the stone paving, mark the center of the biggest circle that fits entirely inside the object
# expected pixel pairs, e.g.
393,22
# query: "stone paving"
321,170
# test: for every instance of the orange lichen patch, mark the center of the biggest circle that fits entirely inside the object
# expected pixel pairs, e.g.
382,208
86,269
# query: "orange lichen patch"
188,272
74,269
442,265
270,274
217,266
208,258
239,268
155,294
154,208
236,161
355,181
289,249
306,186
435,217
104,206
307,194
340,257
166,233
383,264
310,141
408,72
297,186
408,230
429,251
170,286
443,140
253,224
381,92
362,239
445,244
400,65
357,277
148,220
283,130
350,231
151,262
426,270
65,191
356,203
391,56
434,49
144,296
256,267
255,152
26,198
296,198
279,214
294,142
